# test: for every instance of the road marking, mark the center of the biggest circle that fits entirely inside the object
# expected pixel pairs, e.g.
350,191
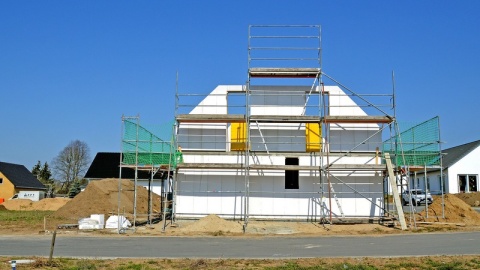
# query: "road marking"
312,246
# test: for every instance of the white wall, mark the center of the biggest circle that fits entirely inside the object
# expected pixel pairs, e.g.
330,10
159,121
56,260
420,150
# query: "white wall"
211,136
344,137
156,185
310,160
203,194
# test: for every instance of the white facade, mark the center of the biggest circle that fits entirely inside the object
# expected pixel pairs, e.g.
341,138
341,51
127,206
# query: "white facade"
200,192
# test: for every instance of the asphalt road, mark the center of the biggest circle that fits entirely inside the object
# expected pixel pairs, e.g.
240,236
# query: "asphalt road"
239,247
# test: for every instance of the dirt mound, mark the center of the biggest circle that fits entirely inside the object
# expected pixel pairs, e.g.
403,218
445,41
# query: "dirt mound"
50,204
472,199
212,224
47,204
456,211
101,197
18,204
2,208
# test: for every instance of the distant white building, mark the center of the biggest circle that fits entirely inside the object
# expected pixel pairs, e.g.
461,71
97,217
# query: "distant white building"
461,169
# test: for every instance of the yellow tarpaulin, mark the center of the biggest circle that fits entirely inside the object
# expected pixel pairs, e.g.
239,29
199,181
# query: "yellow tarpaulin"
313,135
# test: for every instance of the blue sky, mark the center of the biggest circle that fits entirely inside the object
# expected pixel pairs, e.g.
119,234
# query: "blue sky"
70,69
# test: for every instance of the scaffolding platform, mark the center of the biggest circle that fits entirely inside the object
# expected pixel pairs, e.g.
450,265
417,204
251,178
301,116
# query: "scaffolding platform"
211,118
284,72
239,166
240,118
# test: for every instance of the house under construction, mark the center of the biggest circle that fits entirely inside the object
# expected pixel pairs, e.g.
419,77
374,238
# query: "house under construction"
292,143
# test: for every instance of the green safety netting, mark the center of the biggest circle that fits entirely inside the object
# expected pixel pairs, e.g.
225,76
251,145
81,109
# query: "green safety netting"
149,146
416,144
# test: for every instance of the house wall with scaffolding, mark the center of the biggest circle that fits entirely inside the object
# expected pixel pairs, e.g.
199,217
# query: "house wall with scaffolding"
284,145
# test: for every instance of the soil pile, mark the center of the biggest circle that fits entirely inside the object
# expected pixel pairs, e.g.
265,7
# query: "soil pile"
472,199
213,224
50,204
2,208
456,211
18,204
101,197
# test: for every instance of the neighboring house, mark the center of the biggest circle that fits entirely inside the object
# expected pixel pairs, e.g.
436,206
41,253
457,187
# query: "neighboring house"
107,165
461,170
15,178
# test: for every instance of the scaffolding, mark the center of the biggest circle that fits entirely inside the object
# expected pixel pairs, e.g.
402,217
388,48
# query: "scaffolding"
416,150
285,121
149,150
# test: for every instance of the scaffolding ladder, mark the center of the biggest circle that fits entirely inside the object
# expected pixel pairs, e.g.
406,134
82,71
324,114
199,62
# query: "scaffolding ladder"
336,200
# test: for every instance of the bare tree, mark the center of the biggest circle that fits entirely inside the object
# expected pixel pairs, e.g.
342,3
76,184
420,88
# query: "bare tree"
71,163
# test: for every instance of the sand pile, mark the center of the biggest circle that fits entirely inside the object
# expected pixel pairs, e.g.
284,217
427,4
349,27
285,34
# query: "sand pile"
18,204
456,211
472,199
213,223
101,197
48,204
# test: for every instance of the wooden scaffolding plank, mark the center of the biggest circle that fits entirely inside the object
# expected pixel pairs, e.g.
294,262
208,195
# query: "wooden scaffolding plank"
285,119
396,196
284,72
240,118
211,118
236,166
352,119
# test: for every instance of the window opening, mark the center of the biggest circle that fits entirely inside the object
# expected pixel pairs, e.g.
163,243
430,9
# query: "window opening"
291,176
462,183
472,183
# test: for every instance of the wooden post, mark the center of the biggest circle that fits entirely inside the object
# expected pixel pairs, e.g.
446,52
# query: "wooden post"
52,247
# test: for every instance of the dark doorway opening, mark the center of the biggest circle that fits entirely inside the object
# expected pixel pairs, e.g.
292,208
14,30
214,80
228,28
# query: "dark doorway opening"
291,176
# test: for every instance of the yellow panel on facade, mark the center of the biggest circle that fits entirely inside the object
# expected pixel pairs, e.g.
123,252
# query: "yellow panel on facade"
238,136
313,135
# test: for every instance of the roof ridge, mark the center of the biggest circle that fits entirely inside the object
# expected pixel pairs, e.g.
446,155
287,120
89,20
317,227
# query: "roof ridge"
473,143
456,153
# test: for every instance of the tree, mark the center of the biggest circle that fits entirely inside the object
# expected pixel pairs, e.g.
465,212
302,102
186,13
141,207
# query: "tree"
74,190
46,175
71,163
43,174
36,169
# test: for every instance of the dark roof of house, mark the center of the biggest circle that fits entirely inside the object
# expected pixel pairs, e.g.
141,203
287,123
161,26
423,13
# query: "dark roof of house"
20,176
456,153
107,165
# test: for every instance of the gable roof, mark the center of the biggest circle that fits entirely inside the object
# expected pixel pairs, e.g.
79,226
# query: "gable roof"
456,153
107,165
20,176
